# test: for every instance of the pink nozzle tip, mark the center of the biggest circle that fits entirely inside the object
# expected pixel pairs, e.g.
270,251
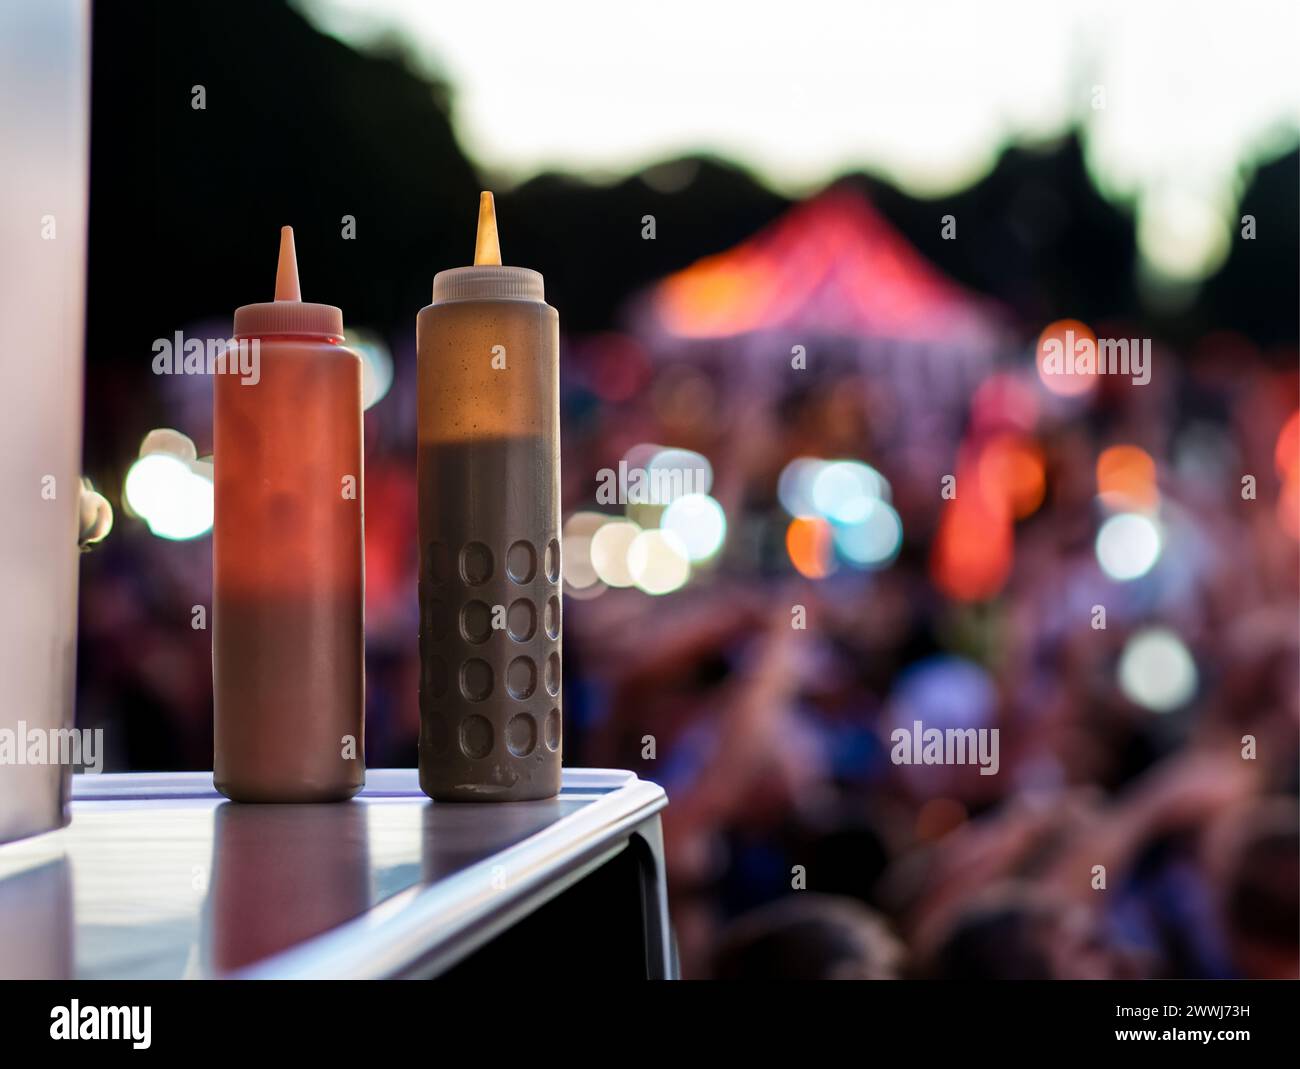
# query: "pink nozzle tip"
286,272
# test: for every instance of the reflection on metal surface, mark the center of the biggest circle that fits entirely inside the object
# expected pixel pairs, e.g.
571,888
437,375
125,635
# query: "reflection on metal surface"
35,922
282,874
157,876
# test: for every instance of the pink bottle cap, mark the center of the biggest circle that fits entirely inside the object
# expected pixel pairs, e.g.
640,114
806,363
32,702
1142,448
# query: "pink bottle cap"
288,313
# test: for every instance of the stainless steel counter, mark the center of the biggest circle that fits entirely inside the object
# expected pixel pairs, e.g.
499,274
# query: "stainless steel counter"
158,876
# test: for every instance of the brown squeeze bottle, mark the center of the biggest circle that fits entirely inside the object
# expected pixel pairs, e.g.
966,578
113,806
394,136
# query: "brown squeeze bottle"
288,569
489,478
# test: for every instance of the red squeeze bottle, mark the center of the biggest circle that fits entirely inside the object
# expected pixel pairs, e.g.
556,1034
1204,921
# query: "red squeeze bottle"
288,567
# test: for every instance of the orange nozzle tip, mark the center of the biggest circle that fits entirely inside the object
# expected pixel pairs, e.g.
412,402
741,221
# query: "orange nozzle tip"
487,247
286,271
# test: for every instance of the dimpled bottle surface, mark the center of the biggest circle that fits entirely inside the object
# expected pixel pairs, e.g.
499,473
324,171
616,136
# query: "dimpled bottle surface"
488,470
288,563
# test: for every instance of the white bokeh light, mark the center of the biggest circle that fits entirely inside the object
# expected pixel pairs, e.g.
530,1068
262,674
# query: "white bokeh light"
844,490
699,522
376,365
794,488
679,472
1128,545
174,499
658,562
609,549
873,542
579,573
1156,670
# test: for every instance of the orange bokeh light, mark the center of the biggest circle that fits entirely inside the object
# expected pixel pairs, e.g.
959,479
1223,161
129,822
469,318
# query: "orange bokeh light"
1287,453
1126,478
1012,472
973,547
1288,504
808,541
1066,334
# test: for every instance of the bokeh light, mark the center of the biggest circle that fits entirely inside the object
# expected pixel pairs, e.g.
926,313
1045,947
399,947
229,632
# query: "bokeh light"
699,523
579,573
174,499
974,546
94,515
609,548
1012,470
1065,335
168,440
1156,671
1286,455
376,365
1126,479
843,490
794,488
681,471
1128,546
657,562
874,541
809,542
945,691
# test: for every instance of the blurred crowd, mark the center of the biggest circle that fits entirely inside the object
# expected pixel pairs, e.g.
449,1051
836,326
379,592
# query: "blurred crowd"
1119,837
796,847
